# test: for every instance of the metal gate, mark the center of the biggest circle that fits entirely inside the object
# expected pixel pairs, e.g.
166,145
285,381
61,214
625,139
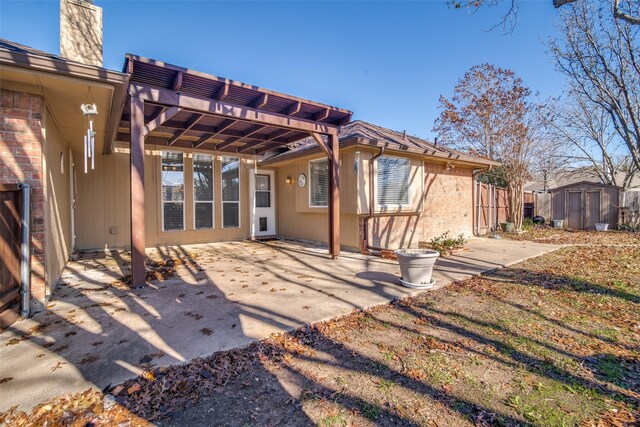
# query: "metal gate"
11,200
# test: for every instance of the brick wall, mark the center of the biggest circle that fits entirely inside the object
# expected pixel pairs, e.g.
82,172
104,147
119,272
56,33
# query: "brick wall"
21,162
447,205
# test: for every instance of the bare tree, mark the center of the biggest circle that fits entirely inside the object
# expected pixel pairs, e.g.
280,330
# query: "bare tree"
490,115
601,57
624,10
549,159
590,143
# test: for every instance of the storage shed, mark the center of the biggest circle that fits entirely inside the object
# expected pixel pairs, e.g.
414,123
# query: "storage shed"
580,205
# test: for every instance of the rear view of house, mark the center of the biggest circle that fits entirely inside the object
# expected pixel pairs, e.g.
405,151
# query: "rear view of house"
158,154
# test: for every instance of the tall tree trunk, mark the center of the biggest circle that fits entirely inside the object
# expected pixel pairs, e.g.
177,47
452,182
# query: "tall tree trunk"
515,190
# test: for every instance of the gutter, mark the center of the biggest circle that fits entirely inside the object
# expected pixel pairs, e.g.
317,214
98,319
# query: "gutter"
389,146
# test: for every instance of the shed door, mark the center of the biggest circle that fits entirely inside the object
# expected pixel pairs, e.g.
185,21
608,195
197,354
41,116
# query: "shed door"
574,210
593,209
10,240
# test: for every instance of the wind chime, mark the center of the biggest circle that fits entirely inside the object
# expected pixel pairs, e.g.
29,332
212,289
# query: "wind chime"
89,110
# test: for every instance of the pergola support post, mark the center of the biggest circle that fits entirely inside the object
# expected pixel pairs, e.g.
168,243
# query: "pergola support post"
138,269
334,196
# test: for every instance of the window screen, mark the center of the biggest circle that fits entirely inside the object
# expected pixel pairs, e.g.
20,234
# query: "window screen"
393,181
172,191
203,191
230,192
319,183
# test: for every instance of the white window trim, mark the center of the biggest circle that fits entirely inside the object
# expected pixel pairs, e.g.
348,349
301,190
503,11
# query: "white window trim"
222,202
309,184
398,206
213,190
162,202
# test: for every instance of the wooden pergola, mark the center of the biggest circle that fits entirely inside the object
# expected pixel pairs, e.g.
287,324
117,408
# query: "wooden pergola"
182,108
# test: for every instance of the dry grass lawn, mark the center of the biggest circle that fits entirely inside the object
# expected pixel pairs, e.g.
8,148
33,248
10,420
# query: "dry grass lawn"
553,341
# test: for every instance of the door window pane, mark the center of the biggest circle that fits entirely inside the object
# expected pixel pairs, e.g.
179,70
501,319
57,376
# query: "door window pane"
319,183
263,199
263,193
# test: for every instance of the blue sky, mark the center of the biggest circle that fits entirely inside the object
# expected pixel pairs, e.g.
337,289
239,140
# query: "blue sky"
388,62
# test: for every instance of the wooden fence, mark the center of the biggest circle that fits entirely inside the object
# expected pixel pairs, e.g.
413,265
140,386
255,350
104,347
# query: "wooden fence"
10,242
491,207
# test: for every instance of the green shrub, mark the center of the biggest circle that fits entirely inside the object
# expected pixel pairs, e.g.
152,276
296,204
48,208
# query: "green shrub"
446,242
527,224
634,228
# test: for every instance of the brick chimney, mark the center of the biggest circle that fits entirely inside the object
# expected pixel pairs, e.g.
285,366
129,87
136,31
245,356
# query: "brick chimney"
81,31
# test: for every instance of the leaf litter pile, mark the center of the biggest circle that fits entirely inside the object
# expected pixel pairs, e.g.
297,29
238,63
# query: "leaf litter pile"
551,341
546,234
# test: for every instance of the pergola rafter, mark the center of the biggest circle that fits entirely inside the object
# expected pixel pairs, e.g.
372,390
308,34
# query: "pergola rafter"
233,117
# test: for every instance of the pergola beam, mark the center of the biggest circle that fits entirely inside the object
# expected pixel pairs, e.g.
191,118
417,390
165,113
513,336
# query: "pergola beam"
261,101
255,129
225,109
280,133
293,109
191,123
226,125
177,83
159,120
222,93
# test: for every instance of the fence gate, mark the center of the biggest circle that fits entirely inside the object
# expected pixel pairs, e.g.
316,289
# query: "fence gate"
10,246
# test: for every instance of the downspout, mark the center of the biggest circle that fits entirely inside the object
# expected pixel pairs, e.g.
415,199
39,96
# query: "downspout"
371,203
25,261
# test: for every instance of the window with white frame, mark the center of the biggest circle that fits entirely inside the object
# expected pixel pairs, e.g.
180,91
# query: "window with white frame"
202,191
393,181
230,172
172,191
319,183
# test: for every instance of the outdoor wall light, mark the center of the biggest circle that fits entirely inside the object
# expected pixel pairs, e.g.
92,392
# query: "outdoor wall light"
289,180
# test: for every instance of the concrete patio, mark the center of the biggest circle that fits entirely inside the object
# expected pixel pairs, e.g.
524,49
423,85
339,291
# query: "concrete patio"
93,334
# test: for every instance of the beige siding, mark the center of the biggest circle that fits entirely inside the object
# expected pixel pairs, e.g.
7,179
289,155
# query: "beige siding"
57,196
295,219
103,204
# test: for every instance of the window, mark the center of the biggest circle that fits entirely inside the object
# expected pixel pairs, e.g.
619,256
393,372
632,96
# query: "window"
319,183
202,191
172,191
230,192
263,191
393,181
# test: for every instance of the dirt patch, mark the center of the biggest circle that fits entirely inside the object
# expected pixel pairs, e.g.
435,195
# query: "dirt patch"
551,341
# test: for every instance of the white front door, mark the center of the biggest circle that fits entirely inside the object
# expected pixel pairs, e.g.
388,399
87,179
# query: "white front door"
263,206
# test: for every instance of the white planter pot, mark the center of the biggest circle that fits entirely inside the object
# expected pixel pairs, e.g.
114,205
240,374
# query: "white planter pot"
557,223
602,226
416,266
